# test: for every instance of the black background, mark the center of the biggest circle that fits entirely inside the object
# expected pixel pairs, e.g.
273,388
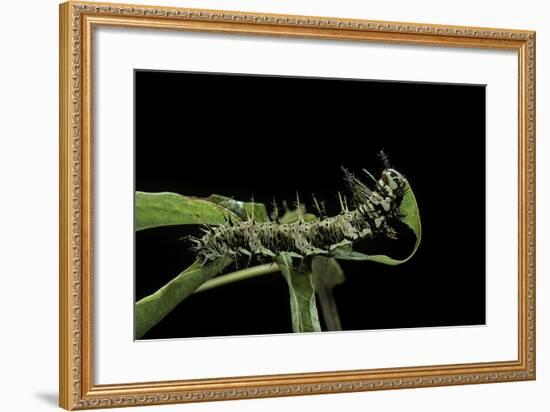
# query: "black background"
244,136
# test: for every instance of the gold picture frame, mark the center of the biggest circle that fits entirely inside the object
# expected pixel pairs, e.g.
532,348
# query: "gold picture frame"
77,23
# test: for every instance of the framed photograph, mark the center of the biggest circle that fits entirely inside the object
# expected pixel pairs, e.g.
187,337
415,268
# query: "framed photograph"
260,205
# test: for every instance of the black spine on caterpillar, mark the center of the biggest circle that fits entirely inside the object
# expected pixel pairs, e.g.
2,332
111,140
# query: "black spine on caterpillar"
373,206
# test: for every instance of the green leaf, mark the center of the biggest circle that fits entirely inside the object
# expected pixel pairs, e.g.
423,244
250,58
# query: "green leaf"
302,296
327,273
153,308
166,209
411,217
243,210
292,216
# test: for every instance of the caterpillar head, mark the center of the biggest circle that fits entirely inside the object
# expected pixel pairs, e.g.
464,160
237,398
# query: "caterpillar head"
395,184
393,179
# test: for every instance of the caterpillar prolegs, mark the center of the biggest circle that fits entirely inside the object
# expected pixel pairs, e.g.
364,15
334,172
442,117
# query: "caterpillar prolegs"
373,207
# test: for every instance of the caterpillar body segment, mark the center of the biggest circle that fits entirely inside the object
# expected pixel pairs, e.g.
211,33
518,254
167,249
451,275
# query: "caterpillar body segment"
372,208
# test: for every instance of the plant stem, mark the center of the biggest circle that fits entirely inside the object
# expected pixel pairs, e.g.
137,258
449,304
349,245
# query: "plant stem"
239,275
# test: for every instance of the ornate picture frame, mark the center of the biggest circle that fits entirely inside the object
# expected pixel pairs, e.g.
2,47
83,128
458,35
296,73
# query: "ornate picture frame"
78,361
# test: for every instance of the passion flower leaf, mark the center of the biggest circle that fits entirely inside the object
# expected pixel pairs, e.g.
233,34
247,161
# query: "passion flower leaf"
293,216
327,273
410,217
153,308
243,210
167,209
302,296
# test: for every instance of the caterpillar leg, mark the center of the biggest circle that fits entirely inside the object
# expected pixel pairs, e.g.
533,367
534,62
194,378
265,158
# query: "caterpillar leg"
313,251
266,252
344,242
245,252
294,255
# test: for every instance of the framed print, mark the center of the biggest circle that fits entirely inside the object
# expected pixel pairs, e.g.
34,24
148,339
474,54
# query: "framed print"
258,205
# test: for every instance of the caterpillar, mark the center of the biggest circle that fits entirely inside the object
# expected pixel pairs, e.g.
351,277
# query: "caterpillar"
372,210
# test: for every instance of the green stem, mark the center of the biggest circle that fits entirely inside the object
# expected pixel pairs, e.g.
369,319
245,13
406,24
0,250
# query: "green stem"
239,275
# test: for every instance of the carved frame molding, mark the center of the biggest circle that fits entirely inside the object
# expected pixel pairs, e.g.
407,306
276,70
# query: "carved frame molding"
77,21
